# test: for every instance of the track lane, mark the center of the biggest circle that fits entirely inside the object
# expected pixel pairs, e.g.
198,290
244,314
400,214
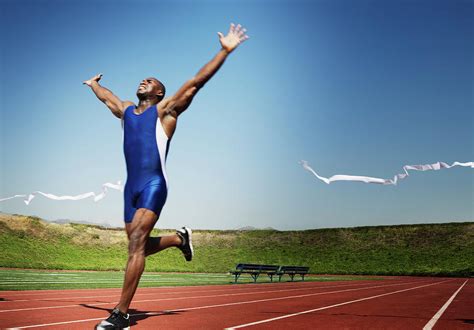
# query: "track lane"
460,313
158,305
103,297
208,313
216,307
408,309
228,316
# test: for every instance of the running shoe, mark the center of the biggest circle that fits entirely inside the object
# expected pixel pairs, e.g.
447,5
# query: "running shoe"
117,321
187,244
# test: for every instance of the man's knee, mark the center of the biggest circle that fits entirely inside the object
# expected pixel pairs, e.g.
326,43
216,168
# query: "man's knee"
139,230
137,241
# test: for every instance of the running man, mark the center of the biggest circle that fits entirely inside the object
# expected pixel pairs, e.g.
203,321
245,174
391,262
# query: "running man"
148,129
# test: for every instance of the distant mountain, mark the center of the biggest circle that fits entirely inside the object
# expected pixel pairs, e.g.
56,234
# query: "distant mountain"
60,221
255,228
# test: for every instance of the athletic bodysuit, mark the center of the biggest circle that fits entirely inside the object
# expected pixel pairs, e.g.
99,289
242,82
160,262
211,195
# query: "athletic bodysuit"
145,146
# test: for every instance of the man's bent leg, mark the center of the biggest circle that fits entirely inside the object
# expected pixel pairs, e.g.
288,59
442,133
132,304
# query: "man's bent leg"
138,232
157,244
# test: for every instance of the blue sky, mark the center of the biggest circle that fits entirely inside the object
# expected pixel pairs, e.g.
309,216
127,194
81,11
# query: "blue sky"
353,87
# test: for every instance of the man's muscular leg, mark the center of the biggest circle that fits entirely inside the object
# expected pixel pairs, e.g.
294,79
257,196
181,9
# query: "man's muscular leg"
141,245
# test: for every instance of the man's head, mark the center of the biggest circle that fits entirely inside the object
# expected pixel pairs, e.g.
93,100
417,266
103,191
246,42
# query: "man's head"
151,88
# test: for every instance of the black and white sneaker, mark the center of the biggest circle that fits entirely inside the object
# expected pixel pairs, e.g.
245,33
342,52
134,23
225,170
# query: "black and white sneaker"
187,244
117,321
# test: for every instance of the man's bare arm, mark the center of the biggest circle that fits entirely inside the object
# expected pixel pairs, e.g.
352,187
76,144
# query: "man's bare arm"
105,95
183,97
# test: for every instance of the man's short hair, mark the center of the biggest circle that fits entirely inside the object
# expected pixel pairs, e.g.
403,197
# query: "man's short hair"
162,88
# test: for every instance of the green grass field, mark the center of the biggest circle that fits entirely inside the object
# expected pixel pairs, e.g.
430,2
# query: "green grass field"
20,279
431,249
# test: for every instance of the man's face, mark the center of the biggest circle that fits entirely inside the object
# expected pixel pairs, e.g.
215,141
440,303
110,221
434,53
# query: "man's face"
148,87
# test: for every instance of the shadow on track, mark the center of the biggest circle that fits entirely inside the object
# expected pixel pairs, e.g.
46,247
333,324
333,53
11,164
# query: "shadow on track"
135,314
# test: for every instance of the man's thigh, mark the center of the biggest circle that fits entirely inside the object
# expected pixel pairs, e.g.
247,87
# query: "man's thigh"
143,220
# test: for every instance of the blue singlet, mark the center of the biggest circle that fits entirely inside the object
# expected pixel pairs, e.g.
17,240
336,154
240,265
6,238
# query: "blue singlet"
145,145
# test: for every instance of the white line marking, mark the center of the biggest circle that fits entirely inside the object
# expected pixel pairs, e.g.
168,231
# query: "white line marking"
436,317
330,306
219,305
67,322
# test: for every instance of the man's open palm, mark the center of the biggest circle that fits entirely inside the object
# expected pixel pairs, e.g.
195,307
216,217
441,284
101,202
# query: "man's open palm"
234,38
95,78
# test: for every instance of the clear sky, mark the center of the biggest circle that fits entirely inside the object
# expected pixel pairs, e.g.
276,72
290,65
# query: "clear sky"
353,87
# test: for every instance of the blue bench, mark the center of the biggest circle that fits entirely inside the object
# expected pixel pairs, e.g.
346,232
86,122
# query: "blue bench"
255,270
292,271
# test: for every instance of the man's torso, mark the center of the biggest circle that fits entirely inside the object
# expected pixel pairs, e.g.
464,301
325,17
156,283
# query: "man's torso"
145,144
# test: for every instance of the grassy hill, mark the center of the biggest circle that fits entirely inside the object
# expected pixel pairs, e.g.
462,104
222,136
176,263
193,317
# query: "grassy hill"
428,249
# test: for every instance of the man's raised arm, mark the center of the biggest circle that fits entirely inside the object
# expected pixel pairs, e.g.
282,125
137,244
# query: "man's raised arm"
183,97
111,101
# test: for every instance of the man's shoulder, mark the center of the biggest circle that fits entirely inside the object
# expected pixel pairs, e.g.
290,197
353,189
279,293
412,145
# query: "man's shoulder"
127,104
163,104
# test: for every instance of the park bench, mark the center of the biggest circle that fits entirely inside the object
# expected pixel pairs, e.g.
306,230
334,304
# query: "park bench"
292,271
254,270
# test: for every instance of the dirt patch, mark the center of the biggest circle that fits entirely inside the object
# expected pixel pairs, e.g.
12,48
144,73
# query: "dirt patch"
207,238
15,222
79,234
100,237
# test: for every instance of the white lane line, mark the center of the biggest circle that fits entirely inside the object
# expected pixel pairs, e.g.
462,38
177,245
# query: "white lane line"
177,298
177,293
218,305
436,317
29,293
330,306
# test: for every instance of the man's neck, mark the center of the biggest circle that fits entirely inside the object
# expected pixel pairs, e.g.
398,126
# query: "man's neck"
146,103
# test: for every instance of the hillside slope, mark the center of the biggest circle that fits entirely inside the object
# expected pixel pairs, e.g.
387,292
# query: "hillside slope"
431,249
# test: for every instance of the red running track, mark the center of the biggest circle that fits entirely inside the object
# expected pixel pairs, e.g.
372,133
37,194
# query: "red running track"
392,303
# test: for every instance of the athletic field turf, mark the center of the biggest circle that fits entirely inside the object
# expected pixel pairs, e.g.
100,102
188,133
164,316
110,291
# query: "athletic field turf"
18,279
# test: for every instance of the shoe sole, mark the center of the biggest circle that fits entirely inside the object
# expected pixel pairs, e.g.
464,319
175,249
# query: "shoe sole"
190,241
98,327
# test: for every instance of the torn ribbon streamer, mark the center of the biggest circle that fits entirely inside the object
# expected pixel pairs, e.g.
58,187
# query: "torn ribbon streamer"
97,197
367,179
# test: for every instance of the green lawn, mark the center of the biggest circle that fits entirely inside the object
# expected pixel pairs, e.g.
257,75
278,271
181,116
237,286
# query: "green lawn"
425,249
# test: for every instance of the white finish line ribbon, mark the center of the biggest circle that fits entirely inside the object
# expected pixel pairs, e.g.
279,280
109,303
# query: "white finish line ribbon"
97,197
367,179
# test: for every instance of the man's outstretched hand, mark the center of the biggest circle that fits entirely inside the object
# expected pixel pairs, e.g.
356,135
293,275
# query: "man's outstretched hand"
234,38
90,81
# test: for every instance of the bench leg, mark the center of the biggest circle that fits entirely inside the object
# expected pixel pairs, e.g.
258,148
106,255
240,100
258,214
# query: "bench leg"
292,276
236,277
254,276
